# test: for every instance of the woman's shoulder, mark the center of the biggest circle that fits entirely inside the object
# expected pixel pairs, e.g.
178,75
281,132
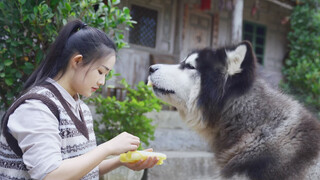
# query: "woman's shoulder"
41,90
37,97
32,108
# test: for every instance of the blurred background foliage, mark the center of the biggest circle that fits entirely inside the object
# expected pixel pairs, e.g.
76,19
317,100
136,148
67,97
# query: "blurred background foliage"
302,67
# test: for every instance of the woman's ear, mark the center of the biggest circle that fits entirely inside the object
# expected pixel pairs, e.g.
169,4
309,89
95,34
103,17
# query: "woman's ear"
76,61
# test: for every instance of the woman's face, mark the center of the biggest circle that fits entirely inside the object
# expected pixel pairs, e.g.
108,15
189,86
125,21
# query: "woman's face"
89,78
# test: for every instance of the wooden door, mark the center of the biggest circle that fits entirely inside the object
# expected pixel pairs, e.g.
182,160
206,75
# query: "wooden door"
198,33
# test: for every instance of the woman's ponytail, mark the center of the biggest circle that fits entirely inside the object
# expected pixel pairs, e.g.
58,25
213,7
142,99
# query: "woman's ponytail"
53,62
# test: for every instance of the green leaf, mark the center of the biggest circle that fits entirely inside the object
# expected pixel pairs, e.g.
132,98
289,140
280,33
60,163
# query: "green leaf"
53,3
8,62
9,81
35,10
29,65
115,2
68,6
7,29
1,5
126,10
18,75
22,2
39,56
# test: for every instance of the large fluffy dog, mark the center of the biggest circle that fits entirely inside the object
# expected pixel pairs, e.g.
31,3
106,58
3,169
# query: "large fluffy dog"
256,132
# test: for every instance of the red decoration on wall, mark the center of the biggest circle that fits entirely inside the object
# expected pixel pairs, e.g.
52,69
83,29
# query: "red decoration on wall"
205,5
255,8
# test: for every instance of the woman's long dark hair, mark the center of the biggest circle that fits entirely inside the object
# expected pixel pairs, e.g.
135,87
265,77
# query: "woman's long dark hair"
74,37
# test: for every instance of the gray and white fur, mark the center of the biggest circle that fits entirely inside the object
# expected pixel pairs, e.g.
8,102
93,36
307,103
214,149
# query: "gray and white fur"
256,132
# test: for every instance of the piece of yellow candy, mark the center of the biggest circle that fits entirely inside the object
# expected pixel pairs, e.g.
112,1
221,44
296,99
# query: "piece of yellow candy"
149,83
134,156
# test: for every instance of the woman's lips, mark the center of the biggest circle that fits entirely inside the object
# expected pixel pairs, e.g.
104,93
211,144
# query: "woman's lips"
94,89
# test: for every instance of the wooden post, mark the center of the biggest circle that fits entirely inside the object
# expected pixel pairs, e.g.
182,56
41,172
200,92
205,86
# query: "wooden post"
237,21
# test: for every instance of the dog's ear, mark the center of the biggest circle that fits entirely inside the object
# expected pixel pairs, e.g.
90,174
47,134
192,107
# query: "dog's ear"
241,68
235,58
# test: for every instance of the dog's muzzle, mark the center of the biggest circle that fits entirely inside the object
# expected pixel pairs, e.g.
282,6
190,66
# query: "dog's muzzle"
155,87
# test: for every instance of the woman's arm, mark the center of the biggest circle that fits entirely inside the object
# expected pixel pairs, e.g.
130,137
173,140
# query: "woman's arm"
109,165
76,168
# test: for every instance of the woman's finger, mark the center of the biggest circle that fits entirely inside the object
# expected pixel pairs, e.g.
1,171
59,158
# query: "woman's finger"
148,163
149,150
154,161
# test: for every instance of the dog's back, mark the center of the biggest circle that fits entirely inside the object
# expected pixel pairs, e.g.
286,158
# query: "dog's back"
265,134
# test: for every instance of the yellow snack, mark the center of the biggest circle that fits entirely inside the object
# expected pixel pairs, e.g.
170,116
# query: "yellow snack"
149,83
134,156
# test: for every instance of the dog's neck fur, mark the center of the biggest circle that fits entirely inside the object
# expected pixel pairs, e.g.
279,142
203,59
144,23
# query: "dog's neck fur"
218,133
193,117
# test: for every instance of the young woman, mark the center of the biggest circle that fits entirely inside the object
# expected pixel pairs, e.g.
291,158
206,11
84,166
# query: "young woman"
48,132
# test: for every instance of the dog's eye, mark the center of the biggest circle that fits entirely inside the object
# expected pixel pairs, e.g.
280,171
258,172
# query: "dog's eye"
188,66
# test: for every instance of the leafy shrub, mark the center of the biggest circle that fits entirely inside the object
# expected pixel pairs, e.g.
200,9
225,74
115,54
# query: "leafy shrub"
128,115
27,28
302,68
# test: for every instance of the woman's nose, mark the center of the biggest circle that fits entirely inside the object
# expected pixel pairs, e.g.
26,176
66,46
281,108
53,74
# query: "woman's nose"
102,81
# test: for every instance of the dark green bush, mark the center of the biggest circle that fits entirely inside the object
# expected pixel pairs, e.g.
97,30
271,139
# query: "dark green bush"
302,68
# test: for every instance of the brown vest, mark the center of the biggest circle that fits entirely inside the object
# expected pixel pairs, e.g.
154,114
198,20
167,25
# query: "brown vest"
77,135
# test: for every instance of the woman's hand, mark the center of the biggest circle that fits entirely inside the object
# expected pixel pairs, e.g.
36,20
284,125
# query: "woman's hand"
143,164
123,143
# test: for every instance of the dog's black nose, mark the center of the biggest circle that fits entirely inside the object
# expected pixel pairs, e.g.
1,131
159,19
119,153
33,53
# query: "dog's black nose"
152,69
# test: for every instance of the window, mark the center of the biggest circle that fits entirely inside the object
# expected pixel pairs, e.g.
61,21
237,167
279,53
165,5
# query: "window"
256,34
144,32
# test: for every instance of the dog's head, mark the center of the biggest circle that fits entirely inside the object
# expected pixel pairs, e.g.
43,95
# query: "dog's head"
206,78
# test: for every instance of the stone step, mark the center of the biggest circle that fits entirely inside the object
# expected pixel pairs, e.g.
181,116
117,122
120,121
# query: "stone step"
172,134
185,166
167,119
178,140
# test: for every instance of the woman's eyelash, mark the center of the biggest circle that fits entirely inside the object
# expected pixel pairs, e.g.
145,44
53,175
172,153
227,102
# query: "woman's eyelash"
99,72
